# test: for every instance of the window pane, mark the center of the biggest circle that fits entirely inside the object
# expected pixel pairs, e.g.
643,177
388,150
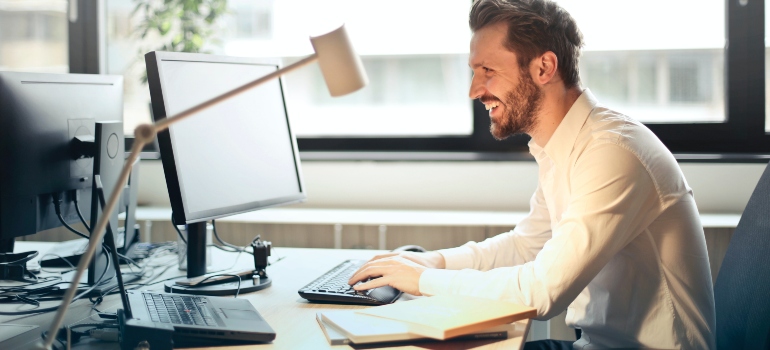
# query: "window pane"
419,78
654,65
416,61
33,36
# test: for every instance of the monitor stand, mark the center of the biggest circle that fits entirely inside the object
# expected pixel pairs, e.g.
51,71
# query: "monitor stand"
196,266
6,245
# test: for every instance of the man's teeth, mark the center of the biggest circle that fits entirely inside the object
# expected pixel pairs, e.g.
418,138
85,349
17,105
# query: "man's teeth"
491,105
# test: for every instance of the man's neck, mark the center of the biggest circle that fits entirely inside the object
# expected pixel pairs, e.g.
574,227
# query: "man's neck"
555,105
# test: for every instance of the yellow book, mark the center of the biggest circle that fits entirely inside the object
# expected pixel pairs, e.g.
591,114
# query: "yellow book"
446,316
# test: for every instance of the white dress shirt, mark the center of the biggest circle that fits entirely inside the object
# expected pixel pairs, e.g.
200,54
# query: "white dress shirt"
613,236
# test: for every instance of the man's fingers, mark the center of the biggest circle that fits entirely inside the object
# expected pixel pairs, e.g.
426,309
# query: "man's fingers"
376,260
374,283
397,272
363,273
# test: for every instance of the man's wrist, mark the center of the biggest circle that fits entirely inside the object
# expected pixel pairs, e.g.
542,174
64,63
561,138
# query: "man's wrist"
436,260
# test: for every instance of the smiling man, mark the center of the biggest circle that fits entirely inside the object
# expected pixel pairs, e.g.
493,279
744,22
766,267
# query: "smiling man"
613,235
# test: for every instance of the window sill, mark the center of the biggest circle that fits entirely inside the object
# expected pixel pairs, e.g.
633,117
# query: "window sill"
385,156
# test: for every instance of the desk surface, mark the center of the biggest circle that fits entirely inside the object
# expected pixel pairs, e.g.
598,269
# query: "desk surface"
292,317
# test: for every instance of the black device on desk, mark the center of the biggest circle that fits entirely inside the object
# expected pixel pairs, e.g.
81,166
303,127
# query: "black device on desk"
48,145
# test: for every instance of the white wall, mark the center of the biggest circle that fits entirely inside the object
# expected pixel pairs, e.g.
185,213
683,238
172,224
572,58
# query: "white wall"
494,186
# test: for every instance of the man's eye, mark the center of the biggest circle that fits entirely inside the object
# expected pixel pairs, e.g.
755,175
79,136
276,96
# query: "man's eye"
487,70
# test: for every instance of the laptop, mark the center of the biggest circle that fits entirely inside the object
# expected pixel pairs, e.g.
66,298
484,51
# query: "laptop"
159,320
192,320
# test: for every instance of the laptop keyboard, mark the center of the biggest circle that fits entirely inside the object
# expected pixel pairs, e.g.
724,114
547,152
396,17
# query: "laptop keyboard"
167,308
333,286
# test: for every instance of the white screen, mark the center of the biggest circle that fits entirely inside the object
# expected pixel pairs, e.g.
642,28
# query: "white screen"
237,152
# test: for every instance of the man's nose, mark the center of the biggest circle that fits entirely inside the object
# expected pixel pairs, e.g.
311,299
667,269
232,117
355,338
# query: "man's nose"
477,87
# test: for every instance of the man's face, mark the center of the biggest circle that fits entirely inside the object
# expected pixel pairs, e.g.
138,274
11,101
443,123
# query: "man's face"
509,93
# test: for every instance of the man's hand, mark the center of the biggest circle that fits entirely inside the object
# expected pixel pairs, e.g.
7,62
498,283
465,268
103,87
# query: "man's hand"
398,270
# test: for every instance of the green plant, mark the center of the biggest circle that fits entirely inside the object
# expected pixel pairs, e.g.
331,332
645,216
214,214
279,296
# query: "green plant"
178,25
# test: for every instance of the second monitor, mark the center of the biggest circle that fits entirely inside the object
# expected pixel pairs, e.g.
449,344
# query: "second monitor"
234,157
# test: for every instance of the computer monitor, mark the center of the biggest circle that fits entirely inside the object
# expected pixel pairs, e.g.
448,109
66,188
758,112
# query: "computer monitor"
40,115
234,157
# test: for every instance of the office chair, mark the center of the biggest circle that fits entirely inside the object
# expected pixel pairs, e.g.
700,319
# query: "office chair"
742,288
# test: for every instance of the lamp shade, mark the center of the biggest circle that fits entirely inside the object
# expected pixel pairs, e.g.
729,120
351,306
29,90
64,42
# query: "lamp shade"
341,67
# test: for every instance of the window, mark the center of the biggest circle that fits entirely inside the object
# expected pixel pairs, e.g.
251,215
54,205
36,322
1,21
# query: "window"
657,61
33,36
418,86
664,62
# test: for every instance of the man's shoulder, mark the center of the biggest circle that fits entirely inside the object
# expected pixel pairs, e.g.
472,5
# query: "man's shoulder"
605,125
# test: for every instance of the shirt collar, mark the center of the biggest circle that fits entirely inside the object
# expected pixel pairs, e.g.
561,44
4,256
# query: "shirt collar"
563,139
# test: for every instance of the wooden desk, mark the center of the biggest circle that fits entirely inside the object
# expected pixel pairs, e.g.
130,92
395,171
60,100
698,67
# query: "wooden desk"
292,317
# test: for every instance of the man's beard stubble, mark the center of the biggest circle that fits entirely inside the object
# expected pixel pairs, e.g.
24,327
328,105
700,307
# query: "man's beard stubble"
522,105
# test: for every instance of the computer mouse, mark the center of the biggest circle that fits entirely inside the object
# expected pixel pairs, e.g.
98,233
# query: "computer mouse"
410,248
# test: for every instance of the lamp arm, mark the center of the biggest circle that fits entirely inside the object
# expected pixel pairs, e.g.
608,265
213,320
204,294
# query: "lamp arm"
164,123
144,134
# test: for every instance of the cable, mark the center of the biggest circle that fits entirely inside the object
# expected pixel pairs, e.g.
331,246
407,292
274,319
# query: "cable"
237,291
155,253
40,280
57,207
70,227
233,248
80,215
72,267
216,234
177,229
77,297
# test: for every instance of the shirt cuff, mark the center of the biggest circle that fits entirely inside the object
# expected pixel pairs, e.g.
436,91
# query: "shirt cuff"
436,281
458,258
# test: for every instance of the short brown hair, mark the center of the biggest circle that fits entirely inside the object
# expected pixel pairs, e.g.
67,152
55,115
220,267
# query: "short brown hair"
534,27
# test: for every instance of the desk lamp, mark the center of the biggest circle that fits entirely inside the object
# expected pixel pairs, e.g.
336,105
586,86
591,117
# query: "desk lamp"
343,72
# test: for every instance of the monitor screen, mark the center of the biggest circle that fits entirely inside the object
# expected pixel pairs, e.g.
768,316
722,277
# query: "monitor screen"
237,156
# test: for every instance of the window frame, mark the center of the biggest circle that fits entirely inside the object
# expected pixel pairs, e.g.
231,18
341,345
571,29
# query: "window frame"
86,36
741,138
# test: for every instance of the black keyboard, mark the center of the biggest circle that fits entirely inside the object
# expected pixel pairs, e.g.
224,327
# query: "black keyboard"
167,308
333,287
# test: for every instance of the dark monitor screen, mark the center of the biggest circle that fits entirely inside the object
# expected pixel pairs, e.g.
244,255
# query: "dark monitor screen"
234,157
40,114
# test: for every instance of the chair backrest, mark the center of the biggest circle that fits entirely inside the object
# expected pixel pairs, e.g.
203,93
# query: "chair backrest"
742,288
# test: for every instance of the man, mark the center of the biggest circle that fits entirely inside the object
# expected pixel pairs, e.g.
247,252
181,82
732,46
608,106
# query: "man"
613,235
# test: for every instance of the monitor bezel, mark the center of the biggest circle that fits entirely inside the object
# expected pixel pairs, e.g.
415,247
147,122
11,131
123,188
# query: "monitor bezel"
156,82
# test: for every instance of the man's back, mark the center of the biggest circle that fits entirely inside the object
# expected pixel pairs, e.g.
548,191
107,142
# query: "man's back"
656,291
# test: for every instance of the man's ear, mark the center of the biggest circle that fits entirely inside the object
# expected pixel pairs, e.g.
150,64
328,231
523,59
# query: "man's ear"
544,68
